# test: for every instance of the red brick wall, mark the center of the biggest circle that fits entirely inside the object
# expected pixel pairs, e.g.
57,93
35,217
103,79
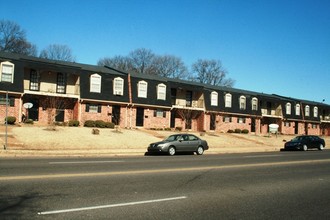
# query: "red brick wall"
315,130
221,126
95,115
12,111
287,129
151,121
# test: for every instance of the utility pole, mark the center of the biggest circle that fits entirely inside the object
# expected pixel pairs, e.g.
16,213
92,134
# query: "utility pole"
6,123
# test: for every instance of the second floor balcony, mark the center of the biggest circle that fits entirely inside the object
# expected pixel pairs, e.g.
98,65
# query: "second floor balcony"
48,83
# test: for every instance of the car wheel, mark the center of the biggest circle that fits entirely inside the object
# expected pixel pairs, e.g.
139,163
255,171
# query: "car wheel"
171,150
200,150
304,148
321,147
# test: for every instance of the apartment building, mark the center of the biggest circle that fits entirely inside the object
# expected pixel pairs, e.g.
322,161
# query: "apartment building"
62,91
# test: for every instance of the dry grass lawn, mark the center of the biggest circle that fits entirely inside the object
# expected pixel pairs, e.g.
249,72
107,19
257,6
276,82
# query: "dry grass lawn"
70,141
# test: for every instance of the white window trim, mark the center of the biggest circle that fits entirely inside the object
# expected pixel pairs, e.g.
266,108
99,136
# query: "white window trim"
288,108
6,63
254,103
228,101
142,89
307,110
214,98
315,112
118,89
242,102
161,91
297,109
95,83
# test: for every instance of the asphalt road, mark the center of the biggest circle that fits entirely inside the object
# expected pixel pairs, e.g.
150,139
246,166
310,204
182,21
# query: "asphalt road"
278,185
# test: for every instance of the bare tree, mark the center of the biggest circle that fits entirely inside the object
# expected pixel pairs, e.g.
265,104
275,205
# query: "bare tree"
187,115
141,60
117,62
211,72
170,66
13,39
54,105
57,52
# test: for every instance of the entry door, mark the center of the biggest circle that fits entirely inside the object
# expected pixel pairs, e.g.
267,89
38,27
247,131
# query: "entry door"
212,122
59,117
139,116
173,113
253,125
116,114
33,113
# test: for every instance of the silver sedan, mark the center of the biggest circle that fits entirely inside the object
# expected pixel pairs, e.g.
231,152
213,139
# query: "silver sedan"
179,143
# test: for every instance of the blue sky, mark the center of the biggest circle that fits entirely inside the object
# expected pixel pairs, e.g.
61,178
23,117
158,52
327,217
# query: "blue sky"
269,46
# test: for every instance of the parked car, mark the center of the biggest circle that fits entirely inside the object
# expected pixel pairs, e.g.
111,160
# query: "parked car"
179,143
305,142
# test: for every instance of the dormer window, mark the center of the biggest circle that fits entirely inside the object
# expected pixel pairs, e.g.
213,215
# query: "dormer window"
161,91
315,112
7,72
118,86
95,83
254,104
142,89
307,110
228,100
288,108
242,103
214,98
297,109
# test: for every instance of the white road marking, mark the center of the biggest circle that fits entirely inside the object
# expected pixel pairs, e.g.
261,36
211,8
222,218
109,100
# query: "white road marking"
87,162
109,206
271,155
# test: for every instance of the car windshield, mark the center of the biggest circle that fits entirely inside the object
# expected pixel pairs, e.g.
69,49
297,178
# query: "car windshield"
173,138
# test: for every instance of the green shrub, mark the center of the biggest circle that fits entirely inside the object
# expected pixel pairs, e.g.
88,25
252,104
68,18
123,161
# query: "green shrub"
28,121
230,131
11,120
73,123
89,123
237,130
178,128
109,125
167,129
99,124
245,131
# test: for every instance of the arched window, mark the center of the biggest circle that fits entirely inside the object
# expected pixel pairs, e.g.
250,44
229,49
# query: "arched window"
161,91
214,98
228,100
297,109
254,104
307,110
7,72
288,108
118,86
142,89
242,102
316,112
95,83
